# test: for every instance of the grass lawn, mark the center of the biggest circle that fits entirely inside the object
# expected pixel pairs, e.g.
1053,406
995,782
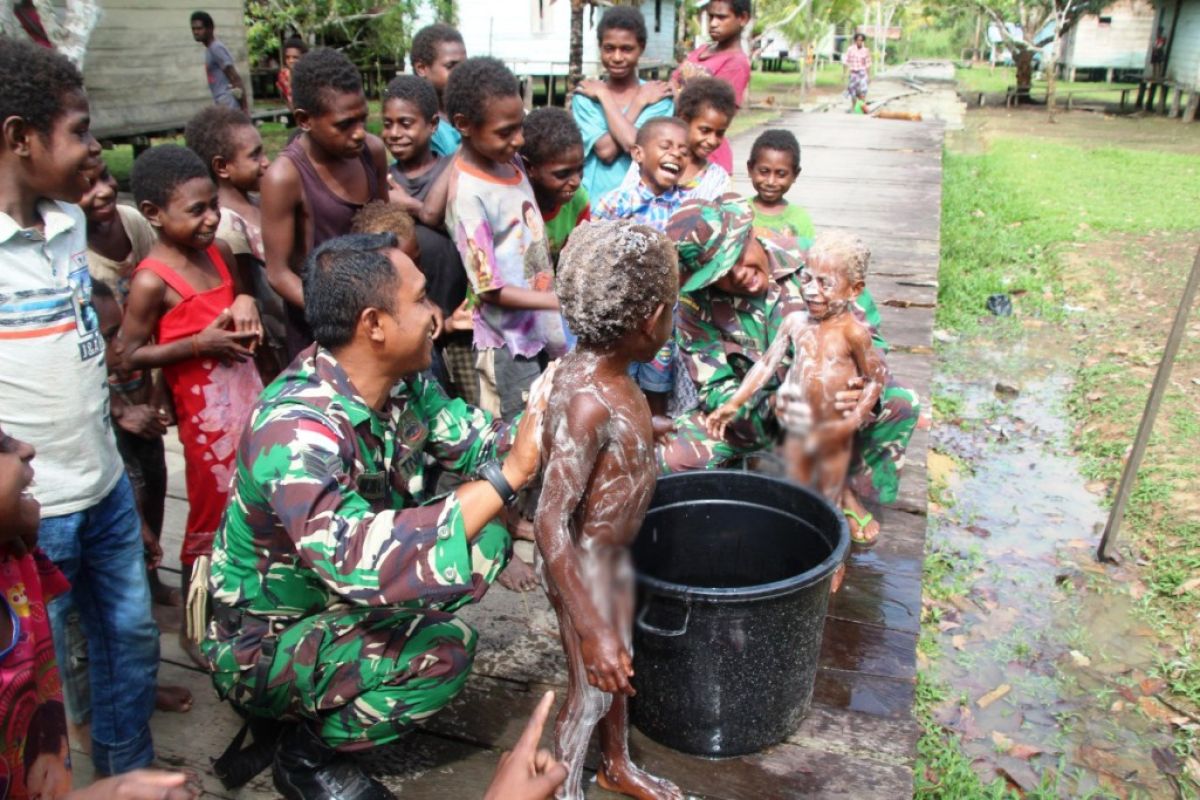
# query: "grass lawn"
785,86
1090,225
983,79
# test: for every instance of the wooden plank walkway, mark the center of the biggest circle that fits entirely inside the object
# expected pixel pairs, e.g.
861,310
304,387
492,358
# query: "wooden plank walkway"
882,179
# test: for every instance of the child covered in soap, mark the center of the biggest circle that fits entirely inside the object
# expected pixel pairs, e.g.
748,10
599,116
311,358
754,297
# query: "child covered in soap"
829,346
617,286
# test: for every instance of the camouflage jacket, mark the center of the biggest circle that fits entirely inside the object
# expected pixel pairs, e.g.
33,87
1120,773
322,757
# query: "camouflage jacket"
324,507
721,336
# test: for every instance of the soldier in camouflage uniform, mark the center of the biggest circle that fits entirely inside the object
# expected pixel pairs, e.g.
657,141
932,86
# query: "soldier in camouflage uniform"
740,284
334,583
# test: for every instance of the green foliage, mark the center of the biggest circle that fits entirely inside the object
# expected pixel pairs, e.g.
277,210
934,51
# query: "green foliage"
1005,214
366,30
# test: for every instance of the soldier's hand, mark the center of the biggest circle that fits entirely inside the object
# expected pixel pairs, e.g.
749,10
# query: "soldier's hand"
846,401
527,772
526,455
793,410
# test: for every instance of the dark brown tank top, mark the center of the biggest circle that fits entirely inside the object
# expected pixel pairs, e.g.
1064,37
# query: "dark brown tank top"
329,216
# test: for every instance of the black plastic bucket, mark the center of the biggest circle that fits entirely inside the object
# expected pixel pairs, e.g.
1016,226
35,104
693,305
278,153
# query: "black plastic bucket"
733,572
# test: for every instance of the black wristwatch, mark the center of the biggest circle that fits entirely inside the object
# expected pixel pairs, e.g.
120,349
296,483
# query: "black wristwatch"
493,474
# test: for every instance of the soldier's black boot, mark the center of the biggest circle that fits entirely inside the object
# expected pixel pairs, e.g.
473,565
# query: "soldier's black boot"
308,769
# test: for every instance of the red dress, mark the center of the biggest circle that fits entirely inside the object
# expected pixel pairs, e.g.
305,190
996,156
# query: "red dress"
212,402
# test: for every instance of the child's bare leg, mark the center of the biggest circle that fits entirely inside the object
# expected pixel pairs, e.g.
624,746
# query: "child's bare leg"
585,706
799,460
832,466
834,462
619,773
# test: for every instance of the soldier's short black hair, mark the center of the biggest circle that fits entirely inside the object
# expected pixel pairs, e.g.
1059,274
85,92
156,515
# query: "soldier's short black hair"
205,17
417,91
319,73
35,83
611,277
701,93
342,278
210,133
741,8
625,18
777,139
476,81
549,132
295,43
425,42
160,169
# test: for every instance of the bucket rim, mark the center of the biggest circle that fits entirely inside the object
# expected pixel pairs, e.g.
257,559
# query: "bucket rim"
757,591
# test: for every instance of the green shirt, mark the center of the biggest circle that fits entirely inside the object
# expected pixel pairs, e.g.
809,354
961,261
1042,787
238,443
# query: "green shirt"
565,219
794,220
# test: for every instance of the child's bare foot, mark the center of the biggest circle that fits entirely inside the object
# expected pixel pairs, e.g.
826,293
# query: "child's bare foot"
518,576
173,698
864,528
628,779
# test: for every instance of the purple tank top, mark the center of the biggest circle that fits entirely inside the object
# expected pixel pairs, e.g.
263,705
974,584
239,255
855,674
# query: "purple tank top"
329,215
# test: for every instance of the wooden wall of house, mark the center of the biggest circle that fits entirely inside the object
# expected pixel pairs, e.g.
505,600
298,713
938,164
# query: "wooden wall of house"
534,36
144,72
1119,44
1184,64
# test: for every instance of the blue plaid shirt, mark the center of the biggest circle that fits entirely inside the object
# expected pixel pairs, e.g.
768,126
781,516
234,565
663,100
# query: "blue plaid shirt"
640,204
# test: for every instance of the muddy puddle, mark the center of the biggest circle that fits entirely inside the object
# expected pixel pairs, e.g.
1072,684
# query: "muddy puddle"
1047,666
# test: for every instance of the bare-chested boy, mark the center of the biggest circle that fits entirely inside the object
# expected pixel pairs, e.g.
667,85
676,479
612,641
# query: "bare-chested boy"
829,347
617,285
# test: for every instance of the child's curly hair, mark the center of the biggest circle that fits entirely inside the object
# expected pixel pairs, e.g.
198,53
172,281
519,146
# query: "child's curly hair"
845,249
210,133
476,81
379,216
702,93
549,132
611,277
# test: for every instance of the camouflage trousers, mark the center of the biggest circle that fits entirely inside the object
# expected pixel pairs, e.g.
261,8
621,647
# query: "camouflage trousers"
878,450
365,675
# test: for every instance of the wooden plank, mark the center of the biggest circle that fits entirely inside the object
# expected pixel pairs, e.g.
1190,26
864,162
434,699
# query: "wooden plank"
492,714
871,737
901,544
868,650
866,694
879,597
906,327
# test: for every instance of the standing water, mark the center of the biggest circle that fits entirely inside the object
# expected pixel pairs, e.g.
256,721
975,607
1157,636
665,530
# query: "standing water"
1048,671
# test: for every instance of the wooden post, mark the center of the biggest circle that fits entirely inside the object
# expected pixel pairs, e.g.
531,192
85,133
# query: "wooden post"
1141,98
1189,111
1157,390
1176,98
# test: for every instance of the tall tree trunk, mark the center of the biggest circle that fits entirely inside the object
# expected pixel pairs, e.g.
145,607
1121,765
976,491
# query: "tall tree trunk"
1050,65
575,58
1024,62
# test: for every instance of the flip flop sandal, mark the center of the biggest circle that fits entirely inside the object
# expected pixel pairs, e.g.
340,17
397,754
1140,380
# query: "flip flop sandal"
862,523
